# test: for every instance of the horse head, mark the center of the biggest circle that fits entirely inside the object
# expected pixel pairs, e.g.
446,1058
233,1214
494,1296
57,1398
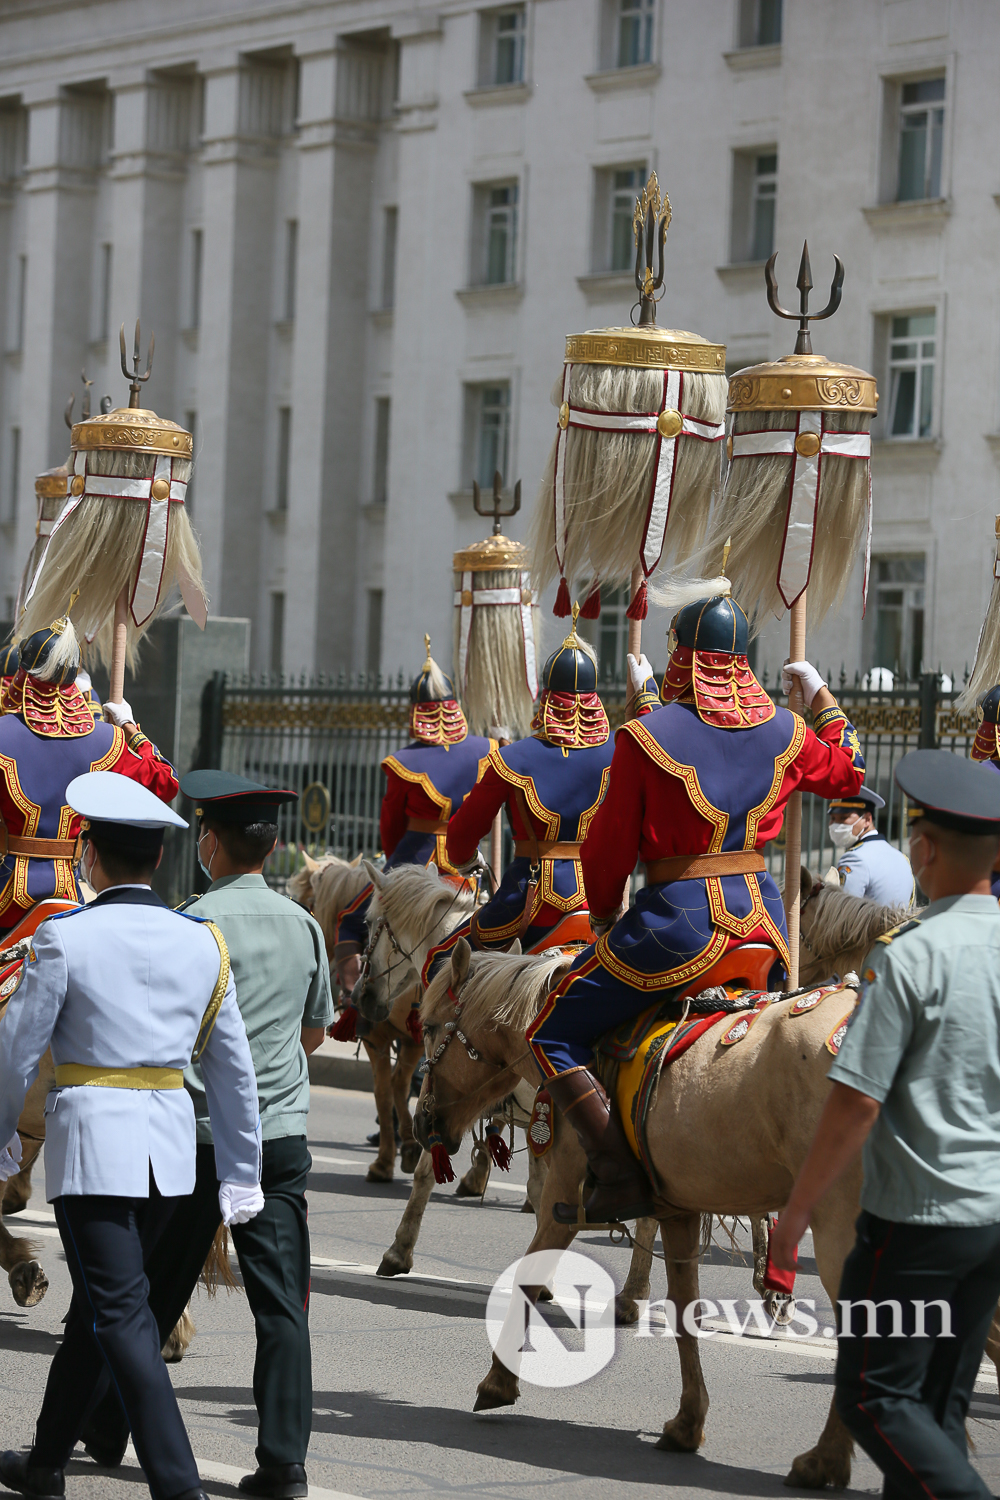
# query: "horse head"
837,929
474,1015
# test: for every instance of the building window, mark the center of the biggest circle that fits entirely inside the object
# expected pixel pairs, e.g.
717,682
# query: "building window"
495,237
102,326
618,189
390,226
191,423
921,138
194,304
291,267
635,33
487,427
501,46
10,509
380,484
373,642
759,23
898,615
911,375
609,634
284,457
20,296
276,645
755,202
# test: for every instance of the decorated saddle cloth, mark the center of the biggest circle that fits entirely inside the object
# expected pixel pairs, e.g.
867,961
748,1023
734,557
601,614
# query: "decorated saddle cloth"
631,1058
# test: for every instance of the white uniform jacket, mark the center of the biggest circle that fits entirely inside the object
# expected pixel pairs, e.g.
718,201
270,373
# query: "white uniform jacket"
124,983
873,868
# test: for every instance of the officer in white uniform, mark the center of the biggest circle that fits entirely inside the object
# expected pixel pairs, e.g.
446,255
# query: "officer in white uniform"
867,863
124,991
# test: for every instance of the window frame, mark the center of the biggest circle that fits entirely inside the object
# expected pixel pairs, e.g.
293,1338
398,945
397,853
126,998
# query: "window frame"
909,606
645,14
482,211
745,28
892,82
473,466
283,459
743,200
930,108
290,284
487,60
390,249
381,439
886,364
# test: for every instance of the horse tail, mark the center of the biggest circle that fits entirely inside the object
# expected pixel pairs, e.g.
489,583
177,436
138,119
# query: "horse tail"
217,1271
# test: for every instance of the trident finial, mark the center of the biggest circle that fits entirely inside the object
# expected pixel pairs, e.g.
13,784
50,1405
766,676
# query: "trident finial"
495,509
803,344
649,225
85,408
132,376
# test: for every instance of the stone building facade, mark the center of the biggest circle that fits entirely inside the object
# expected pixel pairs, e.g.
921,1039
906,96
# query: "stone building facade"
362,228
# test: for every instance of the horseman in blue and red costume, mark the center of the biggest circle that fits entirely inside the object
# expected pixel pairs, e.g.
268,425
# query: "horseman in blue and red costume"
425,783
48,736
986,748
551,784
698,786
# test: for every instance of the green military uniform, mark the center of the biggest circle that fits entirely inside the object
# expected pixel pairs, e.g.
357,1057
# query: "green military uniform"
282,977
924,1041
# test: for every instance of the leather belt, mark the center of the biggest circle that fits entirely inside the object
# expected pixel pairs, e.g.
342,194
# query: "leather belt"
546,849
425,825
700,866
36,848
73,1075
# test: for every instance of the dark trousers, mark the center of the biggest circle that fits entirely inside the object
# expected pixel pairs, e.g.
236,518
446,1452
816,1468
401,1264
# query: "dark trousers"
905,1400
273,1251
111,1337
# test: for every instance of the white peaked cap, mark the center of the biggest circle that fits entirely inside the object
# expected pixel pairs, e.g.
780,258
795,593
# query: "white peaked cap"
107,797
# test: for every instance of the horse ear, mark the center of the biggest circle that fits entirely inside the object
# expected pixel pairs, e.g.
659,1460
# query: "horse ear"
460,957
806,882
559,972
311,864
356,860
374,875
514,951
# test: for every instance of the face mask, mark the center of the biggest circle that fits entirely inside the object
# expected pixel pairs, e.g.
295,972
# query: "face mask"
842,835
87,872
206,869
918,870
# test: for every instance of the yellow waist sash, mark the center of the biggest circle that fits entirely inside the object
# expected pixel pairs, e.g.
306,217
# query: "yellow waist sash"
72,1075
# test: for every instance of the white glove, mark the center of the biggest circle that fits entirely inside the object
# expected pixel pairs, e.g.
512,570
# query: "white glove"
239,1201
639,671
474,865
10,1158
118,714
809,679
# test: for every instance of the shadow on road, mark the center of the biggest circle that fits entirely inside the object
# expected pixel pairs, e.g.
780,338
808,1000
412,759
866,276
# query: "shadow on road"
23,1339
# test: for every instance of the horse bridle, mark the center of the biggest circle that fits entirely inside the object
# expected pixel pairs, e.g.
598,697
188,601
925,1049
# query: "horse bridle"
382,924
452,1030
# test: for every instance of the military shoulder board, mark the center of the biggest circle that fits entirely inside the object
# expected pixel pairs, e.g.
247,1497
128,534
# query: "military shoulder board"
895,932
189,901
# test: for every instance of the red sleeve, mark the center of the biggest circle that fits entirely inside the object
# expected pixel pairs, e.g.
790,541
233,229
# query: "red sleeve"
141,761
392,818
474,818
611,847
828,763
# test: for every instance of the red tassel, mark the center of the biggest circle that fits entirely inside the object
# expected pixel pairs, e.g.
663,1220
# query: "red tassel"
592,604
345,1028
441,1161
775,1280
639,608
498,1148
413,1025
563,605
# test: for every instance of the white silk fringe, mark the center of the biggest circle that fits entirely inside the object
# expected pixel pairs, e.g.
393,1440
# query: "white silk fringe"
98,551
609,476
673,593
495,691
986,667
64,653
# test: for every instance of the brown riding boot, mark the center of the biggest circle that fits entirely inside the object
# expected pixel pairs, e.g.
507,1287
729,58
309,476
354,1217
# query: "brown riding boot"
621,1190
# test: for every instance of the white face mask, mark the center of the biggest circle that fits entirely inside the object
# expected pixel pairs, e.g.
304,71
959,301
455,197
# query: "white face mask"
87,872
842,835
206,868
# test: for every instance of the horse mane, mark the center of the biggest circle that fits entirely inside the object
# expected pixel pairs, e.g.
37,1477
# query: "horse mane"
501,990
844,923
415,897
333,885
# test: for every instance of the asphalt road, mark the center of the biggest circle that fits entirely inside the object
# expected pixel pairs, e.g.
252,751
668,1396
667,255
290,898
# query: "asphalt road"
396,1364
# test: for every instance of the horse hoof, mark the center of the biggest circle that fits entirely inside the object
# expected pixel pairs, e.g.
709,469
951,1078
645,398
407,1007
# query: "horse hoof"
493,1393
626,1311
409,1156
378,1173
780,1307
545,1295
812,1471
29,1283
465,1191
391,1265
526,1207
680,1436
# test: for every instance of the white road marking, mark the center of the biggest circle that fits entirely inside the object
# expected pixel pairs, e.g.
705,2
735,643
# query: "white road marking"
226,1474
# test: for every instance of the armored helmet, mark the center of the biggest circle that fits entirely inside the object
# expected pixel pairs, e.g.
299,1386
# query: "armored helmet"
570,669
10,661
986,745
38,650
431,685
717,624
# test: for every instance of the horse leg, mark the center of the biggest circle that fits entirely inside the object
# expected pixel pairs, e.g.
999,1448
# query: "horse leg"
829,1463
398,1259
17,1190
28,1282
758,1229
562,1184
380,1058
473,1184
681,1239
993,1342
636,1288
180,1337
538,1167
402,1076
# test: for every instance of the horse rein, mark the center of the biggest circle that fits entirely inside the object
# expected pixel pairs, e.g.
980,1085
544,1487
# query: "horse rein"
452,1030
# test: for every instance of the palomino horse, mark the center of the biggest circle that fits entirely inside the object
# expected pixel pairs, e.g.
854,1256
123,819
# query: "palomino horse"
326,887
773,1084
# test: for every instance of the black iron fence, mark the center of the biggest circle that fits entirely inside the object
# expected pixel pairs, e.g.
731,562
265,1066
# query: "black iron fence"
326,738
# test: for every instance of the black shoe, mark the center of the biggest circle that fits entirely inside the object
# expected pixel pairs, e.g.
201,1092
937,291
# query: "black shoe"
198,1494
105,1455
105,1434
40,1484
276,1482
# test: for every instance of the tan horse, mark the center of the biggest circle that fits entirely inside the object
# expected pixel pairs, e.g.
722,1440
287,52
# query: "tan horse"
773,1084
